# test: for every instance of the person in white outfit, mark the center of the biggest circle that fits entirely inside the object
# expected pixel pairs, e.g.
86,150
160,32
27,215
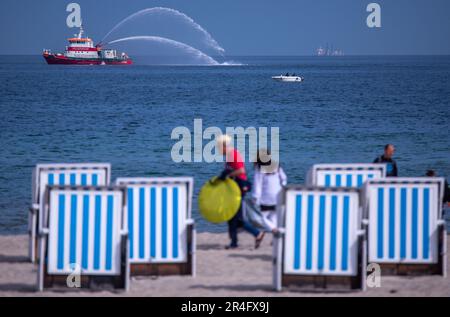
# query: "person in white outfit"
268,181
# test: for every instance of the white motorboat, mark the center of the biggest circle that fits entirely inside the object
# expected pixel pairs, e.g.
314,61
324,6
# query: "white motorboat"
296,79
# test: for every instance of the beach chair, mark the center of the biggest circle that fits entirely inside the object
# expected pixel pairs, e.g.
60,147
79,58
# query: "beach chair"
321,243
158,218
344,175
60,174
407,233
83,237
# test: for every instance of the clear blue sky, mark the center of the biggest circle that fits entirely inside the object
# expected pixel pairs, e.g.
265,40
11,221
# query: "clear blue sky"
246,27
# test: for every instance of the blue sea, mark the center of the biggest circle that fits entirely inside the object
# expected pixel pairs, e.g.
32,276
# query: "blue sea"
345,111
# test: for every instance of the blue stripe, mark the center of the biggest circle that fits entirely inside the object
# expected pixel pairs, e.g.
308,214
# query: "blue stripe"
403,223
426,219
62,179
73,179
309,232
327,180
338,180
298,226
175,222
370,176
153,222
141,222
131,220
380,222
359,180
345,233
98,210
73,229
61,222
83,179
85,254
94,179
51,179
414,222
321,231
333,232
109,232
164,223
349,180
391,223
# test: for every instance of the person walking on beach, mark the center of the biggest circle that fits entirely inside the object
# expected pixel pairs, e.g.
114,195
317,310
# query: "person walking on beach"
391,165
268,180
235,169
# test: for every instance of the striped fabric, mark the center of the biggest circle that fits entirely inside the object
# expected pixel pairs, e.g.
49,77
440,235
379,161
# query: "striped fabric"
321,232
156,220
84,231
72,177
403,222
346,175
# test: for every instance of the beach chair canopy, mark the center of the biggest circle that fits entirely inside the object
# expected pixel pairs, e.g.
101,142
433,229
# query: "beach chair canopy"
84,174
84,230
404,216
44,175
158,213
321,231
344,175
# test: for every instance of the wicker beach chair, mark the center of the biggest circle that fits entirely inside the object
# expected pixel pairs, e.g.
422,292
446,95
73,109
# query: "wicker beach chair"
406,227
162,232
60,174
321,244
344,175
82,236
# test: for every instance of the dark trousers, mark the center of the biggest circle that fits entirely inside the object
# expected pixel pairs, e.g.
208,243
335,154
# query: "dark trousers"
238,222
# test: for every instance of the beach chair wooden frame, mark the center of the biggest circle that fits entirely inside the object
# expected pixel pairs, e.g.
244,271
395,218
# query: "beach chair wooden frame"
50,174
321,244
406,226
344,175
83,236
159,245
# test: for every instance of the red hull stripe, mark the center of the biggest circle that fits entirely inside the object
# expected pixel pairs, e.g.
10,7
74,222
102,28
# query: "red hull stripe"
84,49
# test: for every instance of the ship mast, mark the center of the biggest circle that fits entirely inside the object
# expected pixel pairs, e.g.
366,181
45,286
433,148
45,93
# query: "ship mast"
80,34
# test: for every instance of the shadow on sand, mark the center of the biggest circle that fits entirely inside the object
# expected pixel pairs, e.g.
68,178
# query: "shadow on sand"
18,287
13,258
262,257
258,287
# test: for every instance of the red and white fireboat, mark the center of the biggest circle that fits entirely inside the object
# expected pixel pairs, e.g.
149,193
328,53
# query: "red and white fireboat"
81,51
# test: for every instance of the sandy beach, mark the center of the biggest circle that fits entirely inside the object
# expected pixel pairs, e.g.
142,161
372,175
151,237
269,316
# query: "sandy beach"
242,272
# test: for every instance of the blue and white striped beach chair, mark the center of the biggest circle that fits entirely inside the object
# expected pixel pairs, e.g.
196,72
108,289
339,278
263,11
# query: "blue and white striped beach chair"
407,231
83,235
321,242
86,174
162,232
344,175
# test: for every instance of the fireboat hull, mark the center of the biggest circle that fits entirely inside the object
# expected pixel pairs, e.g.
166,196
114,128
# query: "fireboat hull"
59,59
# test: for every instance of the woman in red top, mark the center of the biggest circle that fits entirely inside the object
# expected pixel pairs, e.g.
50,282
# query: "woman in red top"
235,169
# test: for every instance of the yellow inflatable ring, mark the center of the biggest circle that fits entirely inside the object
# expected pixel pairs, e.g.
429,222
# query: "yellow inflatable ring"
218,200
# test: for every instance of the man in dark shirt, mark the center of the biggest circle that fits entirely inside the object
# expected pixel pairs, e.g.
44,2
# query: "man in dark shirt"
386,158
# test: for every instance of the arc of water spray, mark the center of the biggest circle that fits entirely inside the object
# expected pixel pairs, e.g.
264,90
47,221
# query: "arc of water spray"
210,41
208,59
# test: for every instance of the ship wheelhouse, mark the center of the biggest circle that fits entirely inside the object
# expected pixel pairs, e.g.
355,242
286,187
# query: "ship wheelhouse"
81,47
